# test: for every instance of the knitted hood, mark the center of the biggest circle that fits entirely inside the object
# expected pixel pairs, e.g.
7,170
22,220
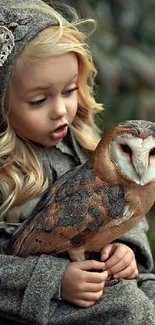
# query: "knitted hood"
20,21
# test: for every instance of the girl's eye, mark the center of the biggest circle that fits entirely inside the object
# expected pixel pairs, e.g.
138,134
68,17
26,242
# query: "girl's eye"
70,91
38,102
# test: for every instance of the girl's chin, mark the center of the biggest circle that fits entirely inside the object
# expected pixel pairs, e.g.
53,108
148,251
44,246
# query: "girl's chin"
50,143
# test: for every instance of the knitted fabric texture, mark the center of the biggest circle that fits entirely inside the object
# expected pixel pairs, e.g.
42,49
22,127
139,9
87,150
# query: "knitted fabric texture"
20,22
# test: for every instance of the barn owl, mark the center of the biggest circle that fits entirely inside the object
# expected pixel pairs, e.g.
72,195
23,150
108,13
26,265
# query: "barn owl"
97,202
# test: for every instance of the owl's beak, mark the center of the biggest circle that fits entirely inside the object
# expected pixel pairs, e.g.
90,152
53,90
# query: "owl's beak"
141,166
140,170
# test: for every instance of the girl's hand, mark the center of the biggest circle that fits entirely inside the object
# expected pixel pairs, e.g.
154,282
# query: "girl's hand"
83,287
119,261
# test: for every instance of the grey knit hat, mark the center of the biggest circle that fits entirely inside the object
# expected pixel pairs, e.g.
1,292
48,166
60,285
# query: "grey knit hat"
20,21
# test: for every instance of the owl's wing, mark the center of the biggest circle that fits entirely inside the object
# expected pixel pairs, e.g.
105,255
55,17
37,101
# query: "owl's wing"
76,211
56,229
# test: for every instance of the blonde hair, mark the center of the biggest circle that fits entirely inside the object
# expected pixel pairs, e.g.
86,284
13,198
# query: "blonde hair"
22,175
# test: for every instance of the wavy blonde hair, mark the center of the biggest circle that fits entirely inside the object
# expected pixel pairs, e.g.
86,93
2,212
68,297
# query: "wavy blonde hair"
21,173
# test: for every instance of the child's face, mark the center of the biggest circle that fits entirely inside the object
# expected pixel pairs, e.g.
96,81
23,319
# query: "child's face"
44,99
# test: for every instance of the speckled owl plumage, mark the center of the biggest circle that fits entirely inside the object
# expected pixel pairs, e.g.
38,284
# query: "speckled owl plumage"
96,202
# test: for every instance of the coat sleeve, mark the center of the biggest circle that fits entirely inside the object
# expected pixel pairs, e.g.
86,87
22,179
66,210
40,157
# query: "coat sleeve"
137,239
28,287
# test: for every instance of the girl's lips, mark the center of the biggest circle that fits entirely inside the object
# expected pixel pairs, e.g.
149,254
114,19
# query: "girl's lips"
59,133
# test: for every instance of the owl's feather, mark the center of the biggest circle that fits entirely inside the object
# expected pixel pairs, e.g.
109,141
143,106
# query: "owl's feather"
94,203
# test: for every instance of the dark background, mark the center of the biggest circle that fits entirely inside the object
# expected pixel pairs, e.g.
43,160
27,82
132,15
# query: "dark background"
123,48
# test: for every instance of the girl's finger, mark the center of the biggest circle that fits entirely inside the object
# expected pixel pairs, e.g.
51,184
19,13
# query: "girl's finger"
120,266
106,252
96,277
123,257
126,273
83,303
90,296
93,287
88,265
113,261
133,275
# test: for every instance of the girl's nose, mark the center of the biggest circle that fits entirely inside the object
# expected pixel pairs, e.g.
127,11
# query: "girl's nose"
58,109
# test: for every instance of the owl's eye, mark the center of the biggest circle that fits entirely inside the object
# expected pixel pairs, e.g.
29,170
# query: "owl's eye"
152,152
126,148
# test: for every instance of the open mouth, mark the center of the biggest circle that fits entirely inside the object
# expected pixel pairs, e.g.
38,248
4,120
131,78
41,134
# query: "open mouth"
60,132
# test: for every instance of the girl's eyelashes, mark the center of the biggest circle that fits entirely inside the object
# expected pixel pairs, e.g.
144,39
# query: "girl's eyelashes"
69,91
38,102
42,100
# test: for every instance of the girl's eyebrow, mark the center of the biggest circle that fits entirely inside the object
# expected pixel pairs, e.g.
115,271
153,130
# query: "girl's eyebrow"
44,87
39,87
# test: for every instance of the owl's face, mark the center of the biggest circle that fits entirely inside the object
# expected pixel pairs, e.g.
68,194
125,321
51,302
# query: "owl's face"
134,157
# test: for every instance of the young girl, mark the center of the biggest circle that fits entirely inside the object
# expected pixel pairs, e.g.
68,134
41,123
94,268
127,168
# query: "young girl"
47,127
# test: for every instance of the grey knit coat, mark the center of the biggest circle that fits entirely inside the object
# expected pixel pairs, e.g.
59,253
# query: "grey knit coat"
30,288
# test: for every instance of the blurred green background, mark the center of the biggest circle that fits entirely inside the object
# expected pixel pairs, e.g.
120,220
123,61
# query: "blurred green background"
123,48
